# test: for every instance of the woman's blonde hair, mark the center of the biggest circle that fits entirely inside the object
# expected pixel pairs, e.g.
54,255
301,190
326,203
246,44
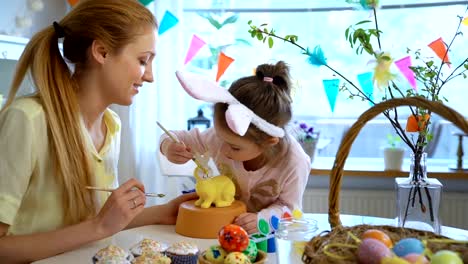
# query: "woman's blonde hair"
116,24
270,100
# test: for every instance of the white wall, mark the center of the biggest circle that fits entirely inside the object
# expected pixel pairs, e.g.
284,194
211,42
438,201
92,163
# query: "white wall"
53,10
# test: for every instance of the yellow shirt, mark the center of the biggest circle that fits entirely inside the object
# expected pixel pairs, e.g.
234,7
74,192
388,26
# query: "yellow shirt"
30,197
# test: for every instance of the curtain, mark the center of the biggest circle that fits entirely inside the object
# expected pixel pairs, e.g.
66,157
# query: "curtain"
164,101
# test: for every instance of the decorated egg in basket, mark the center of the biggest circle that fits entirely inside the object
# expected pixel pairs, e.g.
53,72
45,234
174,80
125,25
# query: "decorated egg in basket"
233,238
215,254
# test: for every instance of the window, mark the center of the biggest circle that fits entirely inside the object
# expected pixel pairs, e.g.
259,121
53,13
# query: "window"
323,23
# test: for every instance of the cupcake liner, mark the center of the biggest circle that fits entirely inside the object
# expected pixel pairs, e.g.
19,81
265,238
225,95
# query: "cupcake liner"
182,259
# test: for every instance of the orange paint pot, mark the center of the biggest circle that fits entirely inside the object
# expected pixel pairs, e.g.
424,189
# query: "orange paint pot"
417,123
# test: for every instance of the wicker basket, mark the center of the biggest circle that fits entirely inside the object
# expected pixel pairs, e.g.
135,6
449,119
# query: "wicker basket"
262,257
314,249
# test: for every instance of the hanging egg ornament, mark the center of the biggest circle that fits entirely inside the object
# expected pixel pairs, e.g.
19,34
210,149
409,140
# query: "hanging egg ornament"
233,238
251,251
446,257
372,251
237,258
379,235
369,4
407,246
215,254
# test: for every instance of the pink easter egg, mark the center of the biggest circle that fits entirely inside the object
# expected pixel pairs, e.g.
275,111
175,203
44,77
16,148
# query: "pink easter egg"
416,258
372,251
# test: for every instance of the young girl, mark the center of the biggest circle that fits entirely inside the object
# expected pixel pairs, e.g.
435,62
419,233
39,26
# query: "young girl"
248,141
63,138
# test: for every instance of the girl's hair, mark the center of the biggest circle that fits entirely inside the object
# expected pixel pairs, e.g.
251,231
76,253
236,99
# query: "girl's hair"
116,24
269,99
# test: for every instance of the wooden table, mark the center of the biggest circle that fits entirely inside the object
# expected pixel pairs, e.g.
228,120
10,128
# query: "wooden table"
374,167
167,234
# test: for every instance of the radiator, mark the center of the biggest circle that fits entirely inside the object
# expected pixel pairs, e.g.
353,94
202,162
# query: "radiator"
381,203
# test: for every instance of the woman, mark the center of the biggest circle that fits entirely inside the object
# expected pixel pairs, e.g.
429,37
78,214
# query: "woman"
64,138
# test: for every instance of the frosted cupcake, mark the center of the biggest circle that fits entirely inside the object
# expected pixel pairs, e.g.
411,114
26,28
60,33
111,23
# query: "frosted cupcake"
148,246
112,255
183,253
152,258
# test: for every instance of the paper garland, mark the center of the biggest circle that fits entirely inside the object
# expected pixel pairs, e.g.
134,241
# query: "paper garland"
331,90
365,80
403,65
223,63
168,21
438,46
145,2
195,45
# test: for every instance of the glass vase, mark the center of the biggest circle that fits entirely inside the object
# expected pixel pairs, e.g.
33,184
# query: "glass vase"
418,197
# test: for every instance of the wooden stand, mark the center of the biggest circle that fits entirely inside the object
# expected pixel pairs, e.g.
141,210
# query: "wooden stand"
193,221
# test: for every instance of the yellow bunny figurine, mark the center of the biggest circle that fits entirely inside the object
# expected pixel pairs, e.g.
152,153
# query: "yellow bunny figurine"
219,190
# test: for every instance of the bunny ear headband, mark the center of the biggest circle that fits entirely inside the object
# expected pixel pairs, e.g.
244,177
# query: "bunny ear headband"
238,116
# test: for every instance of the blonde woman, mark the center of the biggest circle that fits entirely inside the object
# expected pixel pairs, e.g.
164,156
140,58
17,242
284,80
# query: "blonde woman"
64,138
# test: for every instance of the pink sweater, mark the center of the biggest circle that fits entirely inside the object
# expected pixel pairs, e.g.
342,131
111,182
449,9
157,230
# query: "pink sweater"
270,187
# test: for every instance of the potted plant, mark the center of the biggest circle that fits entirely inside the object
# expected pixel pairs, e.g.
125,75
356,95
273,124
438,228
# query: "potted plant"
393,153
307,137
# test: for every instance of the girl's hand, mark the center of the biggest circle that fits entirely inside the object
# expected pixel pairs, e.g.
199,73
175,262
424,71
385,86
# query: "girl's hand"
171,209
121,207
248,221
176,152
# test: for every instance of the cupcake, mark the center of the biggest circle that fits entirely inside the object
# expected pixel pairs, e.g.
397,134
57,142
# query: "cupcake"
112,255
148,246
152,258
183,253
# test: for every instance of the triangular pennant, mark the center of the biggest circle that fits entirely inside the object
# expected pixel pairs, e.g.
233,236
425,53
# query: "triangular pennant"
438,46
167,22
72,2
195,45
331,90
223,63
365,80
403,65
145,2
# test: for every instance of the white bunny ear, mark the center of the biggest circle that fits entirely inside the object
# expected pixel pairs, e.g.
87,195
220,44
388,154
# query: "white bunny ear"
202,89
238,118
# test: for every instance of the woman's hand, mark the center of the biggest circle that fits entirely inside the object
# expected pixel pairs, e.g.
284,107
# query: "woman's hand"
248,221
169,215
176,152
121,207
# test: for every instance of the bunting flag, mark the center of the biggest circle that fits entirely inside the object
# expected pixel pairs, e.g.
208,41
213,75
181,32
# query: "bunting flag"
465,21
331,90
404,66
438,46
72,2
223,63
145,2
167,22
195,45
365,80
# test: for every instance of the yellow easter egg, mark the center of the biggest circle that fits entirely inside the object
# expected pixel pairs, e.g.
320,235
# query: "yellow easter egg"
394,260
446,257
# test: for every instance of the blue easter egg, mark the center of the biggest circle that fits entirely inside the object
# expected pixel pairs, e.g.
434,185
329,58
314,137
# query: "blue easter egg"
407,246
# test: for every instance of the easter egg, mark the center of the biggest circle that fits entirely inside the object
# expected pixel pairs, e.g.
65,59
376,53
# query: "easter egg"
379,235
215,254
416,258
233,238
407,246
251,251
394,260
237,258
372,251
446,257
